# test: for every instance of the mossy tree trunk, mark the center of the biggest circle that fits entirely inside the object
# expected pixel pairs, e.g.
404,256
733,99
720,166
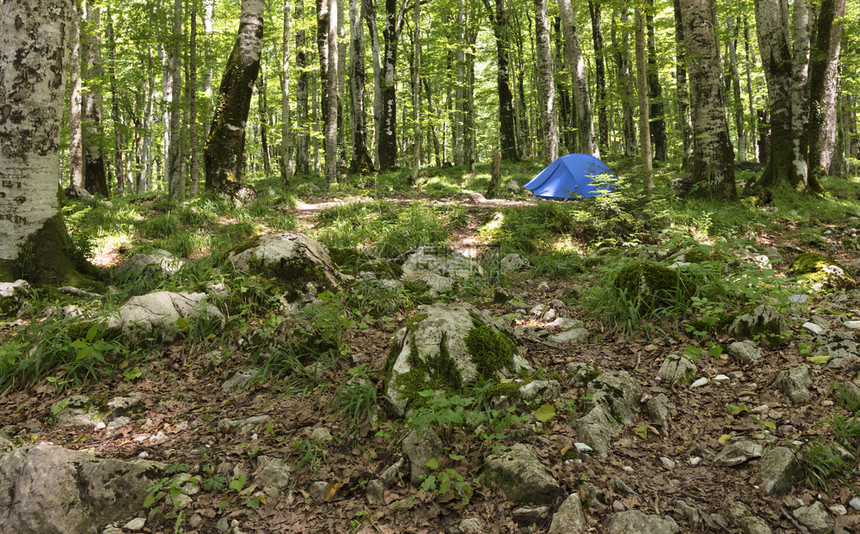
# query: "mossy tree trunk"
225,146
34,242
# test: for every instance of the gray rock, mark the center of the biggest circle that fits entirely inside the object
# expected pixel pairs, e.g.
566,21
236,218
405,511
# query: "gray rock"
135,524
815,518
47,489
76,192
812,327
375,492
763,321
694,519
436,282
77,410
521,475
12,296
658,409
222,525
855,503
125,404
636,522
529,515
293,259
445,332
620,486
159,314
779,471
540,389
794,383
569,336
442,261
272,472
737,453
569,518
392,472
470,525
420,449
247,425
744,351
749,523
582,373
773,254
678,369
239,380
157,261
842,346
514,262
614,397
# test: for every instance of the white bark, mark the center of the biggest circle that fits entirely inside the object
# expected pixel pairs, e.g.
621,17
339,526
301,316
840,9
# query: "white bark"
286,131
173,166
800,92
546,83
416,93
644,104
76,133
331,81
33,39
587,141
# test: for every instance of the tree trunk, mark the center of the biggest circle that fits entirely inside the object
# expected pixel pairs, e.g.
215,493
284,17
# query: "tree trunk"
303,135
657,125
546,84
76,132
737,103
327,39
145,179
713,156
644,109
34,243
599,76
117,132
173,165
416,94
587,142
460,87
387,136
752,114
623,59
683,93
507,135
773,39
95,177
286,165
370,17
192,108
263,112
823,88
225,147
361,161
800,93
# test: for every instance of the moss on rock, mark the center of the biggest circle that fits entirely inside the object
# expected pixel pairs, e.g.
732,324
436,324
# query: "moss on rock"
491,350
651,284
820,270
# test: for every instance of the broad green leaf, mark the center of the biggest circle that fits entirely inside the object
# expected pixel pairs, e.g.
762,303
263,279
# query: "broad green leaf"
432,463
429,483
820,360
724,438
544,413
737,409
641,431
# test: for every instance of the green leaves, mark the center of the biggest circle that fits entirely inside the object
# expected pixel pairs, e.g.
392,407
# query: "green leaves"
544,413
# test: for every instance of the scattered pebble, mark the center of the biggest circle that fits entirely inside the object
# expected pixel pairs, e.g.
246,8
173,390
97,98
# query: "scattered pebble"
814,328
628,469
852,324
798,299
618,506
694,460
855,503
837,509
135,524
764,408
582,447
699,383
827,402
668,463
721,378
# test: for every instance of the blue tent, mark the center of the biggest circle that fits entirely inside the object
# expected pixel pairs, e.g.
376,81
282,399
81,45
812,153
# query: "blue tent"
572,175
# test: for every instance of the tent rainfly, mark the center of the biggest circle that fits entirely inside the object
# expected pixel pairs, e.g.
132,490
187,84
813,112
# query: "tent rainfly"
573,175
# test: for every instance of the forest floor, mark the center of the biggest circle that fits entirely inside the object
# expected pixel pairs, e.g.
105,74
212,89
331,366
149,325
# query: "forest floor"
183,410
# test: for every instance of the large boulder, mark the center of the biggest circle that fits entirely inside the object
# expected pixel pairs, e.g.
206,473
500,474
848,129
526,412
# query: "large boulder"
447,345
12,296
820,271
47,489
162,313
763,322
521,475
613,400
442,261
157,261
290,258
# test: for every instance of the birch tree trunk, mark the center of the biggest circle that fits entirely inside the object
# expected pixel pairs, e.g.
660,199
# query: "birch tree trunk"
823,88
286,165
361,161
800,93
225,146
192,95
330,90
76,132
117,132
370,17
387,137
173,165
416,93
599,76
644,109
302,137
683,94
549,120
587,141
507,135
657,124
737,103
34,243
713,155
95,178
624,76
263,113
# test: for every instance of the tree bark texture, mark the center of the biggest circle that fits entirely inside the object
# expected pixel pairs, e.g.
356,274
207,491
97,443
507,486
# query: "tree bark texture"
644,105
76,132
114,110
225,146
95,176
624,81
586,139
33,40
387,137
370,17
800,93
263,113
823,87
192,107
737,103
507,131
682,91
286,164
599,76
173,165
303,134
546,85
657,125
416,93
361,161
713,155
328,12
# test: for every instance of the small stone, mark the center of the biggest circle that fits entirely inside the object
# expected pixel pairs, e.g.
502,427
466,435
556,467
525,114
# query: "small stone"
628,469
798,299
135,524
837,509
376,492
738,453
812,327
570,335
222,525
529,516
195,520
852,324
855,503
721,378
668,463
618,506
569,517
321,435
582,448
814,518
470,525
317,489
699,383
694,460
